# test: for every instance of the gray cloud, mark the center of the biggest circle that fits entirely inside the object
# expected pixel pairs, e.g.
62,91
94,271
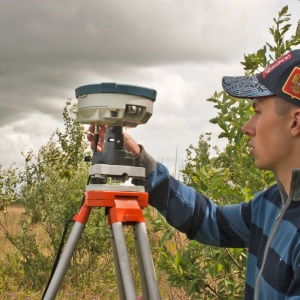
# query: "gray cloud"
181,48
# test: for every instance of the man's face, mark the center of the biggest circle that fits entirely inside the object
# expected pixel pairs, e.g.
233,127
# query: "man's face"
269,135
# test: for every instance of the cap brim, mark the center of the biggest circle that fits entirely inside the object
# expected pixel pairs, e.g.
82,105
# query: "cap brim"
244,87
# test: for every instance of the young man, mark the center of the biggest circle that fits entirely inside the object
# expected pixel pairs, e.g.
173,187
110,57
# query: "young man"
268,225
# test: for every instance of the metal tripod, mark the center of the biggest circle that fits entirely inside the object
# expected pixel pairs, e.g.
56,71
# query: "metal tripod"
124,205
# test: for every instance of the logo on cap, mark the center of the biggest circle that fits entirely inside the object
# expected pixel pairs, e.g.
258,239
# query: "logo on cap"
277,63
292,85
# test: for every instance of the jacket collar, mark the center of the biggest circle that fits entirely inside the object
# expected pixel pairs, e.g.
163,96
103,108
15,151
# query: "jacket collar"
295,187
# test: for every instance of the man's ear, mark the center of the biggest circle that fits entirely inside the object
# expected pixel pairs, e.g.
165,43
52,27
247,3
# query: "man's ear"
295,129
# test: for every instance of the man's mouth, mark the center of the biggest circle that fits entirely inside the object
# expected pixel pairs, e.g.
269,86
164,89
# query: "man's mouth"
251,148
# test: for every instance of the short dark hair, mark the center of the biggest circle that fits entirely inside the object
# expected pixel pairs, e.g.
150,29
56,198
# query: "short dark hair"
282,107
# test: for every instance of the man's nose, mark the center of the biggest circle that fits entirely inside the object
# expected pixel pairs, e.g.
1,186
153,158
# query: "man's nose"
247,129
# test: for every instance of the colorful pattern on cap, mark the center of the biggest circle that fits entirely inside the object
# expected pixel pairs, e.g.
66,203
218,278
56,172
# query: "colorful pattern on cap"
244,87
292,84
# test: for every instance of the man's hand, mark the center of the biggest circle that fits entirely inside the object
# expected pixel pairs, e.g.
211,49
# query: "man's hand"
90,137
130,144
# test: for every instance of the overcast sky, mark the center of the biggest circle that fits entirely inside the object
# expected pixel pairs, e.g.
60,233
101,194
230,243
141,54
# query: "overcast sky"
180,48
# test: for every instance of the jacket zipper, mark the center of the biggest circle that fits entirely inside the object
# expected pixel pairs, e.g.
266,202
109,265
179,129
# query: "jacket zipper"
270,239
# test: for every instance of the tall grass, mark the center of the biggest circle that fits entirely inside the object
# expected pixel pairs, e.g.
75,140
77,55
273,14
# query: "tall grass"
98,285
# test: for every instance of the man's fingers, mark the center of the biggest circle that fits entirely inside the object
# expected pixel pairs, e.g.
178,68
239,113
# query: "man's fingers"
90,137
130,144
92,128
99,148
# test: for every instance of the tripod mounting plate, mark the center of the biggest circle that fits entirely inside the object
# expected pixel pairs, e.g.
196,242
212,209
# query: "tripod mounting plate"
119,188
114,104
117,170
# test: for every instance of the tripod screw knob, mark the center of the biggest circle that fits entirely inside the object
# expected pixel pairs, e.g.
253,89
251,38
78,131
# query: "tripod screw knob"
87,158
138,181
98,180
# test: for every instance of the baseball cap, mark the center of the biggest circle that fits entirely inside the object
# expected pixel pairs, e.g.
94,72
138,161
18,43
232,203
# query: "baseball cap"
281,78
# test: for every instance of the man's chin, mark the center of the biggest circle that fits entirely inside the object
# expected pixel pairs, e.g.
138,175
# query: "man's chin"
262,166
258,164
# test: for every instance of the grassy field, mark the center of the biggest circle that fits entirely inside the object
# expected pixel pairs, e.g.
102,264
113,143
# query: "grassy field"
9,259
13,218
11,271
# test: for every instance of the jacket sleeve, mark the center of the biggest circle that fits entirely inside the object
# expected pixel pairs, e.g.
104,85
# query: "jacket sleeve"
191,212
